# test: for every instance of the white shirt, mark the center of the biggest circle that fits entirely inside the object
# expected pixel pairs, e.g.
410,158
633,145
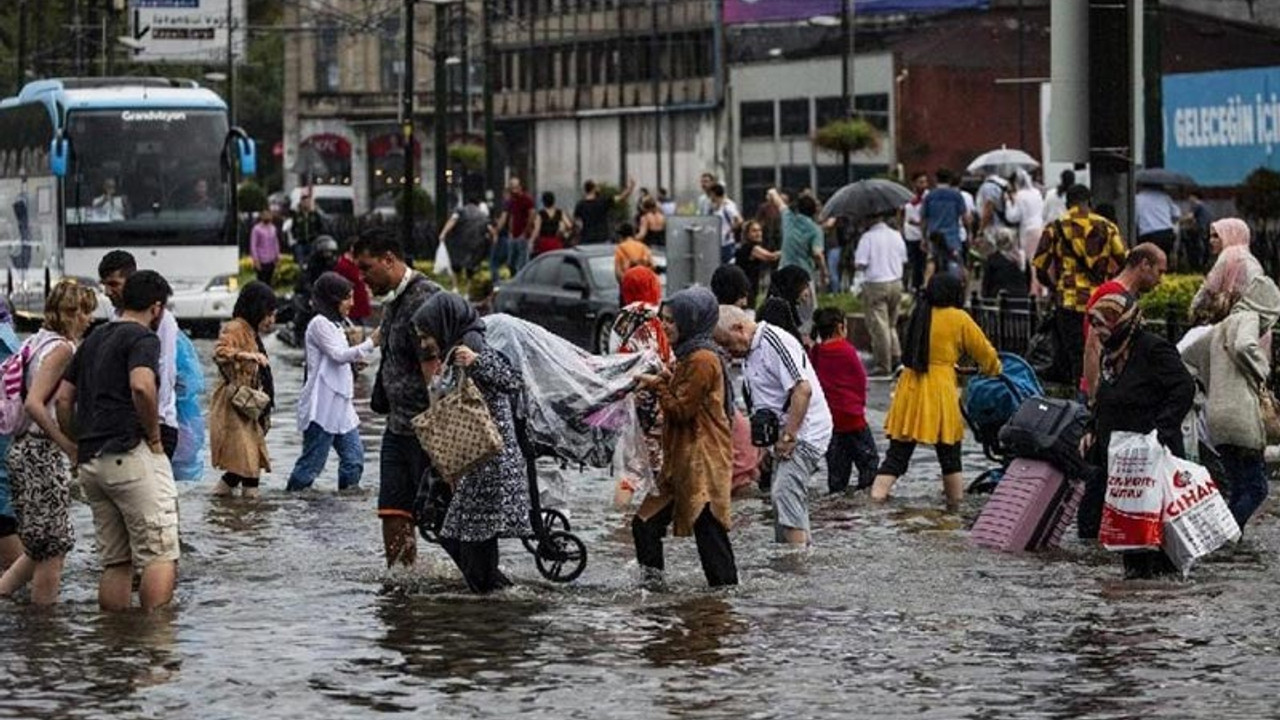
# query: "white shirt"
1027,210
775,363
167,397
970,206
727,212
1055,205
1156,211
326,397
881,254
912,212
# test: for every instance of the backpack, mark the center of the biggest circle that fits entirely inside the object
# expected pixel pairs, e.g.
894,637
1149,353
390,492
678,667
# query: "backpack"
13,385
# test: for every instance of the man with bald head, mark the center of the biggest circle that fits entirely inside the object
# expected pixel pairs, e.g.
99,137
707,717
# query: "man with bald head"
1144,268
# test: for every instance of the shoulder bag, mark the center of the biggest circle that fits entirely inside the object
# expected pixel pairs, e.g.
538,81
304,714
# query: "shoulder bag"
457,431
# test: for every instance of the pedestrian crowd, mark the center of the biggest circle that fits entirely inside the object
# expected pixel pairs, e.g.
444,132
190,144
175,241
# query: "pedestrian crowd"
742,391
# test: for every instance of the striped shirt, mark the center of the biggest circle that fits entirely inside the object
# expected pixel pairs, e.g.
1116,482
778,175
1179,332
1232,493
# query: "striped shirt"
775,363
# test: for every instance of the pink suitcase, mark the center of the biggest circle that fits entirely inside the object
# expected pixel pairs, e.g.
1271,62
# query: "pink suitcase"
1031,508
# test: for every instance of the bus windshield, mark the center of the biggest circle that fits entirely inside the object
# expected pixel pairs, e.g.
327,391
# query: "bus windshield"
146,177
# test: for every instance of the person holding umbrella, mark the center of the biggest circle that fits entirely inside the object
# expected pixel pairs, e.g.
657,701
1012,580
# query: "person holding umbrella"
1157,215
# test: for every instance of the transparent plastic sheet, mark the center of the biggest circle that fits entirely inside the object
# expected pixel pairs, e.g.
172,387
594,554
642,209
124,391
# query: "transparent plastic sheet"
188,458
631,455
577,405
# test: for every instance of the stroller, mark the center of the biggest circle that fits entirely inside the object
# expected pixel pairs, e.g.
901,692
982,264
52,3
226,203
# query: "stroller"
575,407
987,405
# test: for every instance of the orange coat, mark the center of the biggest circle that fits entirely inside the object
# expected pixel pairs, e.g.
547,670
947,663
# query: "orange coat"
697,444
236,444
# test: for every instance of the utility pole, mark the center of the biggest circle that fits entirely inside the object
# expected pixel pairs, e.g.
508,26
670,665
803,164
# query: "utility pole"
22,45
491,171
655,70
231,63
442,113
846,75
406,125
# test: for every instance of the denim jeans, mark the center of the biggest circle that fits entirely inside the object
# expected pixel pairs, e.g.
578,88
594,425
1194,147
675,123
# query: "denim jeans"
499,255
1248,478
315,452
517,255
833,270
847,450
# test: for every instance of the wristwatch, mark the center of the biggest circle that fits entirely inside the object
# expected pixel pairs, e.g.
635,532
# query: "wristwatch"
787,437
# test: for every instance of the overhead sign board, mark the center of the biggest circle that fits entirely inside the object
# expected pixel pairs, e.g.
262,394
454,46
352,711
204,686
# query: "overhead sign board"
186,31
1221,126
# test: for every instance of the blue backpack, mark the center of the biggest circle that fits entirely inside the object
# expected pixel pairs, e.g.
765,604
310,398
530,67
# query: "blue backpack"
989,402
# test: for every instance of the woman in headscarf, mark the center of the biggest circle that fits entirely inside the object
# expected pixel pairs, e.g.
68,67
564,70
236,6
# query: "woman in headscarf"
1231,272
237,443
638,330
926,401
1005,270
492,500
790,289
326,407
697,443
1143,386
1233,363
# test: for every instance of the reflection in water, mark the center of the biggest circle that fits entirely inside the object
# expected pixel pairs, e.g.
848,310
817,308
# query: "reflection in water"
691,631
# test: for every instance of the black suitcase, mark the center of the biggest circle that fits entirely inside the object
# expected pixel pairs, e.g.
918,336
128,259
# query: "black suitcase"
1047,429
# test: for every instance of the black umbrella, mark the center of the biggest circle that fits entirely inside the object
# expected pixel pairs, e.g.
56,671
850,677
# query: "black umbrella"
866,198
1164,177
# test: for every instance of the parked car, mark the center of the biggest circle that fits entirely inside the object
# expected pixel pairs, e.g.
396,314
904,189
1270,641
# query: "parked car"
572,293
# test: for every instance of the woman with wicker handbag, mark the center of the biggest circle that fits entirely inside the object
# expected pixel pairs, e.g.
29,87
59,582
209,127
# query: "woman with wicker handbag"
491,496
240,410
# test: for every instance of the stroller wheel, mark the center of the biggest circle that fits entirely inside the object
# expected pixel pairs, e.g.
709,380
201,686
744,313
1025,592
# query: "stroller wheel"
561,557
552,521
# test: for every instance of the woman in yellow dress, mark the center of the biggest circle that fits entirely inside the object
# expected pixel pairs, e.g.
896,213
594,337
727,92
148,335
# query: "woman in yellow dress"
926,402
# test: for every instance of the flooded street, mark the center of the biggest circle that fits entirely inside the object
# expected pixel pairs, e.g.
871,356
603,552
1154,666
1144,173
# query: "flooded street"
284,611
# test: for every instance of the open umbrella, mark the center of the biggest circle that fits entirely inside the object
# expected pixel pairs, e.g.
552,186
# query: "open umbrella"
1003,161
1163,177
866,198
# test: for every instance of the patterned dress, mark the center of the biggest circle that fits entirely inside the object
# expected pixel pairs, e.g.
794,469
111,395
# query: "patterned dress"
493,500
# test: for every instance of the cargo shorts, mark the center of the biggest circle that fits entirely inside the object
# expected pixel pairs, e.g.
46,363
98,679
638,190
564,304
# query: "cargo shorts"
135,507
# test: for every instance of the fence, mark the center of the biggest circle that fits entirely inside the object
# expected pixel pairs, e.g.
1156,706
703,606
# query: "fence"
1009,323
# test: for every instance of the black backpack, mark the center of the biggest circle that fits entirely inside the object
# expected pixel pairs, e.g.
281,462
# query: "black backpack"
1047,429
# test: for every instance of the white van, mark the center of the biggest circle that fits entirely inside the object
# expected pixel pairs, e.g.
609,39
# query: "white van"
331,200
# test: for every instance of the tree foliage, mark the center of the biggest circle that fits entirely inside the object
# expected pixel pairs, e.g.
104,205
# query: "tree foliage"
850,135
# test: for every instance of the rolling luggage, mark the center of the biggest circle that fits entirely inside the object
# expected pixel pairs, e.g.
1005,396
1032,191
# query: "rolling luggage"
1047,429
1030,509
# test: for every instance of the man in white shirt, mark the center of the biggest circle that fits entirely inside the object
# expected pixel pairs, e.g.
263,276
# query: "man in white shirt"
113,270
880,256
779,379
730,221
706,181
108,207
1157,215
912,220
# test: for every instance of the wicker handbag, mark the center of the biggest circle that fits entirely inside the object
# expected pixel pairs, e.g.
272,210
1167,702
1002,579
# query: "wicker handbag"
457,431
1270,414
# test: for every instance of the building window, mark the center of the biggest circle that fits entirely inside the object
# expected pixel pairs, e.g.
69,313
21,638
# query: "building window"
390,55
793,117
757,119
796,178
327,71
756,181
830,179
874,109
827,109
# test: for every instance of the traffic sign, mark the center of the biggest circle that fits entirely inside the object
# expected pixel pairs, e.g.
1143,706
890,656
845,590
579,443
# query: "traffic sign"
186,31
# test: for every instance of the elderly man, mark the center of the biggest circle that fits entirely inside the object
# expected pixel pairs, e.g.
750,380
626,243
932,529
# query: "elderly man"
780,381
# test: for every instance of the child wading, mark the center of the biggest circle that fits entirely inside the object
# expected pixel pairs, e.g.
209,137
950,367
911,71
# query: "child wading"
326,415
844,382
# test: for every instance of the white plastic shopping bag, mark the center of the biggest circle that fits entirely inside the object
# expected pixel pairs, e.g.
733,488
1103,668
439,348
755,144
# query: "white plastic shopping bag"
442,266
1197,520
1131,515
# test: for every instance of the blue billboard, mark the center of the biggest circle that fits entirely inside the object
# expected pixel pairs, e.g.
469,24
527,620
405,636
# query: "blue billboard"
1221,126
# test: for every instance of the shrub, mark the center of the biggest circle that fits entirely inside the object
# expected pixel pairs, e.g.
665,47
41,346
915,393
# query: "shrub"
423,207
469,155
1171,298
1259,196
848,135
285,278
250,197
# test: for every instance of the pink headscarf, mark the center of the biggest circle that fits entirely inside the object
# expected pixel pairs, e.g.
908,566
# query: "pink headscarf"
1231,271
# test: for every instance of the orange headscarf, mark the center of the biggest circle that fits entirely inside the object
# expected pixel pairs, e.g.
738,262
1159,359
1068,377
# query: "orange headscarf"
640,284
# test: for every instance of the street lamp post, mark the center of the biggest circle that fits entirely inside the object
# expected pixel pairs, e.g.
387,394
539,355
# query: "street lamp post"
442,112
406,127
847,51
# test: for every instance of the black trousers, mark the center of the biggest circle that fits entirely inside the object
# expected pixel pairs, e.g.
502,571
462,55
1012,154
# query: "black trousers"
713,544
169,440
1164,239
917,258
1069,366
478,562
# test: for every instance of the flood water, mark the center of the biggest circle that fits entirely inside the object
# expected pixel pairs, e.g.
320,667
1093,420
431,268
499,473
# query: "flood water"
283,611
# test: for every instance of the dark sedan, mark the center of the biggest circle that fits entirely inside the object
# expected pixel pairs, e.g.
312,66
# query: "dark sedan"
572,293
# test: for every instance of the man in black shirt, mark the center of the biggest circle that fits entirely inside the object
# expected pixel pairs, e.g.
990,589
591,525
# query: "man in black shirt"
111,388
591,215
